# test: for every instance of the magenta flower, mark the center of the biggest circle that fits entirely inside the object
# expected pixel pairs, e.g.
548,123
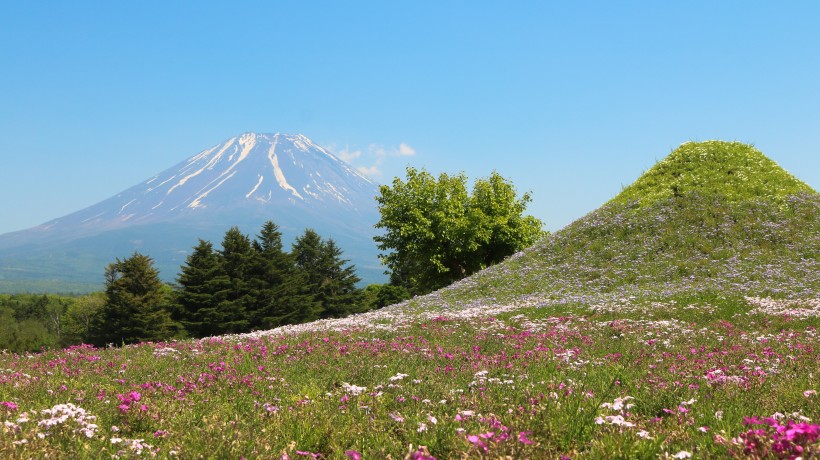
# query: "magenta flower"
353,455
477,441
421,454
522,437
9,404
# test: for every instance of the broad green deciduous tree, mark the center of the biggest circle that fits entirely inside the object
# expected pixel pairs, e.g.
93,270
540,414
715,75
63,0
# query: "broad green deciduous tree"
437,232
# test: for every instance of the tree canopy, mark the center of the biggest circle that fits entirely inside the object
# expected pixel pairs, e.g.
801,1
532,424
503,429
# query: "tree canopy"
437,232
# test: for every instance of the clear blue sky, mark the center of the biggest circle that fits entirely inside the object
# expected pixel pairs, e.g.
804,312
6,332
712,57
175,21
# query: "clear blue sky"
570,100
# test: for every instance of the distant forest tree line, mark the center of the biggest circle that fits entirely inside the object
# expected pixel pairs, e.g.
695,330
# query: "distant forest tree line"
245,285
435,232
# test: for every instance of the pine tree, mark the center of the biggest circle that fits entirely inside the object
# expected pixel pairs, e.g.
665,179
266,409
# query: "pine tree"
339,293
203,292
136,304
333,283
235,259
278,289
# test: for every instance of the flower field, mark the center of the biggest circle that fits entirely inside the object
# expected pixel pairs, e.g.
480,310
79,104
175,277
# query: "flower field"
734,377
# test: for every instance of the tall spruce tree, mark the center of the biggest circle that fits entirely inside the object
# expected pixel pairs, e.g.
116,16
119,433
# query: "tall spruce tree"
202,295
279,291
332,283
338,291
136,305
235,258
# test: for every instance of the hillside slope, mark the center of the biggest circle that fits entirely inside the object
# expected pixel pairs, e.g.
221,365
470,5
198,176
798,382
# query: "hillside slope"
712,216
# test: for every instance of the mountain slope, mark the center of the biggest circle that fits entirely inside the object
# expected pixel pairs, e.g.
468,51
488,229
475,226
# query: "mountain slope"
243,181
711,217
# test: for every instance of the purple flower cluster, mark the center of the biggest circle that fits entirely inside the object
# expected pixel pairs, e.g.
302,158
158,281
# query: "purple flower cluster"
770,438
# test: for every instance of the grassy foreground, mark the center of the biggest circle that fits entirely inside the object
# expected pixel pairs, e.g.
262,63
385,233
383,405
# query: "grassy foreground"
707,378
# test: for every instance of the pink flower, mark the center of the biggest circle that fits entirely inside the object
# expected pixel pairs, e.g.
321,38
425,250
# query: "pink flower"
523,439
477,441
421,454
809,393
9,404
353,455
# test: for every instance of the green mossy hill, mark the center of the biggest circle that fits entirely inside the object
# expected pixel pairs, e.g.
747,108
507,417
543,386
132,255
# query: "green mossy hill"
754,231
732,170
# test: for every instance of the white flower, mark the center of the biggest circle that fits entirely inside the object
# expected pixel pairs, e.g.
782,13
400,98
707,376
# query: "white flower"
683,454
619,420
353,390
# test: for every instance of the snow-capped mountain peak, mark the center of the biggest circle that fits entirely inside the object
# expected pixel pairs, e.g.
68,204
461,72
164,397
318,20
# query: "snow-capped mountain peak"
243,181
244,171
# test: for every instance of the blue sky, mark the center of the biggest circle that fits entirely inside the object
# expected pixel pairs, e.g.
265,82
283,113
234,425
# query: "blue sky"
570,100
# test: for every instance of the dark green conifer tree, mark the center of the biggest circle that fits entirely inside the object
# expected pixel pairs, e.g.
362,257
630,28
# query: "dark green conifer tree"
339,293
332,283
279,291
236,257
202,293
136,305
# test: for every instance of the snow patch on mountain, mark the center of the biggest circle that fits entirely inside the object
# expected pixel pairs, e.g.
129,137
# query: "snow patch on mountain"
255,187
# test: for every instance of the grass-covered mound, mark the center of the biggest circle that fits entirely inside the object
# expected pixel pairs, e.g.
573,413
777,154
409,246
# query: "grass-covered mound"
711,217
733,171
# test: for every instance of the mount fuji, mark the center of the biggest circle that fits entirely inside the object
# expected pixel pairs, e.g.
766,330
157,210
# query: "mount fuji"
243,181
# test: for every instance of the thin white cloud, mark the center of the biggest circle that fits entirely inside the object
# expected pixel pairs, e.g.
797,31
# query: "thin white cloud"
347,156
375,153
406,151
377,150
370,171
403,150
